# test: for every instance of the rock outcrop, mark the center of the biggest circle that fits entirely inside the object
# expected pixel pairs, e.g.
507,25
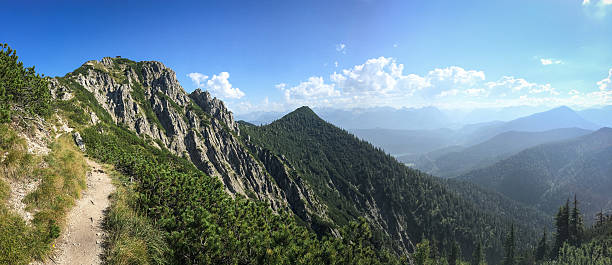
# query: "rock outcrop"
147,98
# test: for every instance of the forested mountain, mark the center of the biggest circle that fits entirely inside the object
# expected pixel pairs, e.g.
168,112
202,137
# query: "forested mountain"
168,208
451,162
546,175
353,178
196,187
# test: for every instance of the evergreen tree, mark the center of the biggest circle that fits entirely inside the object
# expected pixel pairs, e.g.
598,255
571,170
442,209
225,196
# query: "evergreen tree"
21,87
600,218
575,225
562,225
510,248
478,255
540,253
422,253
455,254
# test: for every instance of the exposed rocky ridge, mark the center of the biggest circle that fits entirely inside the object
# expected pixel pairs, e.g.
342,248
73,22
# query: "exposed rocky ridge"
147,98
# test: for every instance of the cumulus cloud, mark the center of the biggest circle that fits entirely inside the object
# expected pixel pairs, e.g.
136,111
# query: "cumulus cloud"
309,91
509,85
341,47
549,61
382,82
218,85
198,79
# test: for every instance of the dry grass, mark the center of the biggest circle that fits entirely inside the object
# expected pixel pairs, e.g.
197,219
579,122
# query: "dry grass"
132,239
62,175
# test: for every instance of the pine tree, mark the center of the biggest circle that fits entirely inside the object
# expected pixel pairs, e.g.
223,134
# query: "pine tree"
510,248
600,218
478,255
422,253
575,225
562,225
542,248
455,254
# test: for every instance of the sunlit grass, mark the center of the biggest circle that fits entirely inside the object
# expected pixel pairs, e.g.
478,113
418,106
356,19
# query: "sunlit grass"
62,175
132,238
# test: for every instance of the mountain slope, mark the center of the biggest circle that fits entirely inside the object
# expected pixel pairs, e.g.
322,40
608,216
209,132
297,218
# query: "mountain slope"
251,207
146,98
352,178
457,162
546,175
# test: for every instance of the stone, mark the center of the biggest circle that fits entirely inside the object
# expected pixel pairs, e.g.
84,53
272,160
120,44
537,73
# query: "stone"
79,141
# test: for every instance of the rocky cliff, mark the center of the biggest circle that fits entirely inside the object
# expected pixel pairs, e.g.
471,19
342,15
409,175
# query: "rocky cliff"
146,97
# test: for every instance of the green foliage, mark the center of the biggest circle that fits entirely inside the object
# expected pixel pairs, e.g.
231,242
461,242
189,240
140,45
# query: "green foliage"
562,224
575,225
542,249
593,253
21,87
510,248
594,247
133,239
422,253
203,225
346,172
60,184
478,257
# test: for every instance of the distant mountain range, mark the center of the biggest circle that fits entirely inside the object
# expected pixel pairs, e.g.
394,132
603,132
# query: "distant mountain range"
561,117
451,162
410,144
601,116
546,175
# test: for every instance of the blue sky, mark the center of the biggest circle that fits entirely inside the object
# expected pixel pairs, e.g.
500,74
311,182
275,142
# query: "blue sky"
276,55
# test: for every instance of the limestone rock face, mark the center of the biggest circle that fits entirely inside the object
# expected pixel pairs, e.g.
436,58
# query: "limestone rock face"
147,98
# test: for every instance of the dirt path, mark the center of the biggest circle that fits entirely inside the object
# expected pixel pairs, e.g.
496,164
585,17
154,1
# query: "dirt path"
81,240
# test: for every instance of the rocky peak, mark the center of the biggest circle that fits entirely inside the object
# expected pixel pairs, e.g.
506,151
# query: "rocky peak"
147,98
215,107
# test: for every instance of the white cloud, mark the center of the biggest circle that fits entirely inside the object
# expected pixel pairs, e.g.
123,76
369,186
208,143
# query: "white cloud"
549,61
312,90
509,85
218,85
198,79
605,83
341,48
382,82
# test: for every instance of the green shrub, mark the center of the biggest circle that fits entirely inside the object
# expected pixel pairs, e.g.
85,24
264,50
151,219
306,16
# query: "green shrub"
21,87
